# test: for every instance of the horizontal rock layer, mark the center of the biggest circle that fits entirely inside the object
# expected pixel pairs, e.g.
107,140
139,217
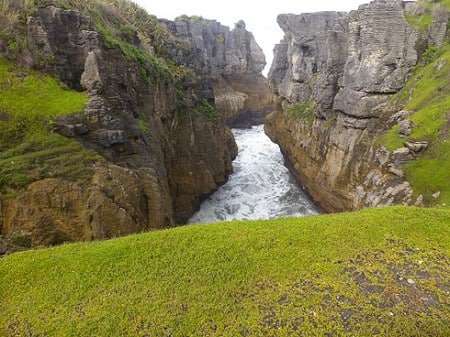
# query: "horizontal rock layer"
164,147
233,61
345,67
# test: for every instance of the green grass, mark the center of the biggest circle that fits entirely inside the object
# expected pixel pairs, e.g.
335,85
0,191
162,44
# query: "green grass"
29,150
303,110
150,66
31,94
376,272
427,94
430,174
207,110
421,22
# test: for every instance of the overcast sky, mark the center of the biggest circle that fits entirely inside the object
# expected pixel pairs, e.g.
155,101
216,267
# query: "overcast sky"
260,17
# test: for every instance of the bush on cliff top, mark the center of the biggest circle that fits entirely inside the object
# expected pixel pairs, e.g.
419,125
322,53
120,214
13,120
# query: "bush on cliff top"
378,272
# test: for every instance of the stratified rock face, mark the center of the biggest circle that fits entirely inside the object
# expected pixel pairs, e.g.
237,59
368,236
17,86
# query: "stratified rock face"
333,74
309,61
119,201
381,53
161,160
234,62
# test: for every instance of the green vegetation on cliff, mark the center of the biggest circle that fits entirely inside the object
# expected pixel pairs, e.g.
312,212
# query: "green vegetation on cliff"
302,110
30,100
378,272
424,20
426,96
29,149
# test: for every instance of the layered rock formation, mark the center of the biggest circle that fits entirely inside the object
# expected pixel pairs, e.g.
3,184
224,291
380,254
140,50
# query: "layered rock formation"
334,74
152,119
233,61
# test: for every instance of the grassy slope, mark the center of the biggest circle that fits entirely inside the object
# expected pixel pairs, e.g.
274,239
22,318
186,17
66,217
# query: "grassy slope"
427,95
29,150
376,272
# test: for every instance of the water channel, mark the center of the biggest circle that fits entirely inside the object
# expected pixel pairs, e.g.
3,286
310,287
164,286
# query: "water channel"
261,187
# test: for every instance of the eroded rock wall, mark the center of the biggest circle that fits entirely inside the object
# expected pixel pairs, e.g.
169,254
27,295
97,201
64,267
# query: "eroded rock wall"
233,61
162,155
333,75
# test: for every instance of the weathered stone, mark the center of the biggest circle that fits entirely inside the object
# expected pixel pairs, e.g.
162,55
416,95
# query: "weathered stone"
65,130
233,61
348,65
90,78
310,59
399,116
439,27
402,156
441,64
405,127
69,34
382,155
378,60
419,201
359,104
81,129
158,165
119,201
109,137
395,171
417,146
3,247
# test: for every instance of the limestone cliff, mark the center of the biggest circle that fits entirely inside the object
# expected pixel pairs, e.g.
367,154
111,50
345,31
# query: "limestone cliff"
233,61
334,75
150,116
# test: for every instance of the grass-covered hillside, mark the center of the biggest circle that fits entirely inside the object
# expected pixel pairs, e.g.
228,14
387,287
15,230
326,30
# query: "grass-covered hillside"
29,149
427,96
378,272
30,100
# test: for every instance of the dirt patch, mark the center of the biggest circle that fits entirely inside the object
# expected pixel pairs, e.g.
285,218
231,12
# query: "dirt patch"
4,116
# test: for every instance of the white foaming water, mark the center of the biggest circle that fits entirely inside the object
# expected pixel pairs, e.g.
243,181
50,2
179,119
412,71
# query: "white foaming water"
261,187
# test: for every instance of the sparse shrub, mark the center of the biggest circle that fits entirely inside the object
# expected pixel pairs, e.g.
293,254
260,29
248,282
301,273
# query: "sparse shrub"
206,109
303,110
21,240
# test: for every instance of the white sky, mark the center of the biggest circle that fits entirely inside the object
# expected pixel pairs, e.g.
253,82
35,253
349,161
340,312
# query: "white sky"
260,17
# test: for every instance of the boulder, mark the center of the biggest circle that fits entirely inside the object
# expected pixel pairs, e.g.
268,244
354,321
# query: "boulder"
401,156
399,116
405,128
417,147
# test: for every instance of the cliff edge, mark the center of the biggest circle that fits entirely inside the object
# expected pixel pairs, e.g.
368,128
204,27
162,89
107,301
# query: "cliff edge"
233,61
340,82
105,131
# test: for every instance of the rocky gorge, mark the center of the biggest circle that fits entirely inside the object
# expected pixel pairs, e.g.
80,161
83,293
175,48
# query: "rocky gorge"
342,80
150,117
